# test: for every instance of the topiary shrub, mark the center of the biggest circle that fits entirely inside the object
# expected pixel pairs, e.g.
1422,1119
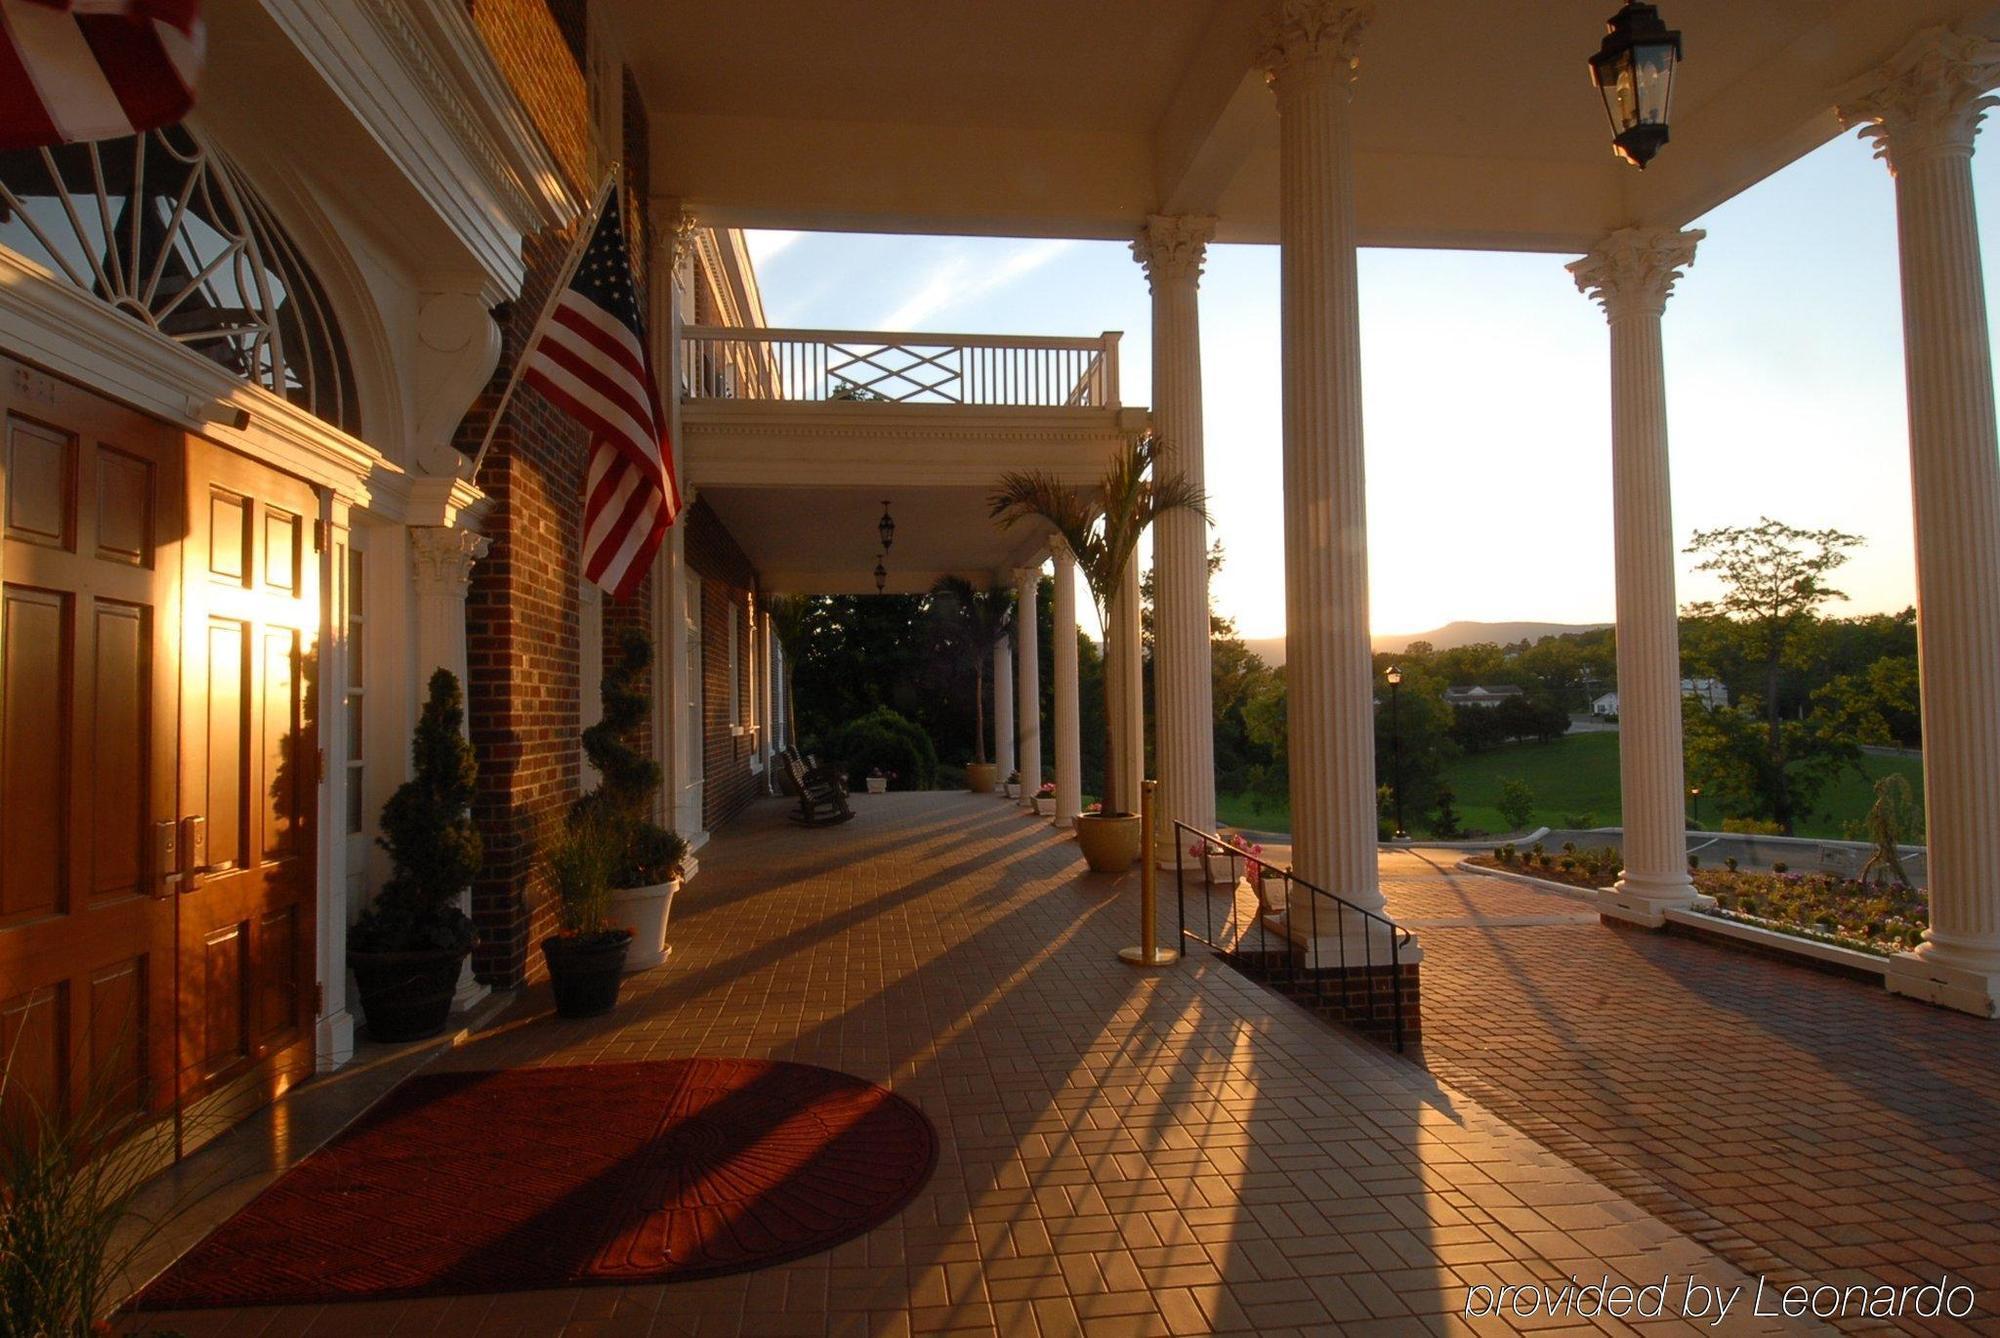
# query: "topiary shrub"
886,741
427,830
645,854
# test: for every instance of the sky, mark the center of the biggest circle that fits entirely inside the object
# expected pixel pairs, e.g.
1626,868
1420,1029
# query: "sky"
1486,395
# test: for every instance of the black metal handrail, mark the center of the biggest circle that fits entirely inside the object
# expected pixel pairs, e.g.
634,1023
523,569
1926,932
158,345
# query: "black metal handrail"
1192,842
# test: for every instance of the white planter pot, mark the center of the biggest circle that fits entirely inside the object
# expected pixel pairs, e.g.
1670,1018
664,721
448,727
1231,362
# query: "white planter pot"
1013,790
1045,807
645,910
878,784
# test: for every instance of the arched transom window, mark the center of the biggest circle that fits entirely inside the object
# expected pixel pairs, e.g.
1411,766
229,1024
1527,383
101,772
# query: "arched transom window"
164,228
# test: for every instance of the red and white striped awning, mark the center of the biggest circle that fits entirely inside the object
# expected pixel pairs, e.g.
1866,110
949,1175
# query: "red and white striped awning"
95,69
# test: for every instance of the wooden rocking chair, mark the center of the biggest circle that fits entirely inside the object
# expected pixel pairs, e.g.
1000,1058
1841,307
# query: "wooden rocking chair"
822,799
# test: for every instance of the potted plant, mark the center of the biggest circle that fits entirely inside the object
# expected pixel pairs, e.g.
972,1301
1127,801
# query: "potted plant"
586,955
1013,785
970,625
878,781
646,871
1045,799
1101,527
408,945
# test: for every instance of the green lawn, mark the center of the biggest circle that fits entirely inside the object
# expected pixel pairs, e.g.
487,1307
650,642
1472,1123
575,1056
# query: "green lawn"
1577,776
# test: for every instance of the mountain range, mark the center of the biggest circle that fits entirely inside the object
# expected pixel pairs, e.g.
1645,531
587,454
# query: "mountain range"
1462,633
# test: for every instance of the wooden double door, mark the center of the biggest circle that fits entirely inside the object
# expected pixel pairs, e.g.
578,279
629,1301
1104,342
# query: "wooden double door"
159,609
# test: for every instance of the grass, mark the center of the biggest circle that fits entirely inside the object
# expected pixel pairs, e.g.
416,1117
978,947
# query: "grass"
1577,775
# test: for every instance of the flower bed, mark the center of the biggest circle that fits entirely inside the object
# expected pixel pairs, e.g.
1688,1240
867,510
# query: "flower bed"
1879,918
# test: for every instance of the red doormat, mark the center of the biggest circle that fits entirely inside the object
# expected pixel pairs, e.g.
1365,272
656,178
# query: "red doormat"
555,1177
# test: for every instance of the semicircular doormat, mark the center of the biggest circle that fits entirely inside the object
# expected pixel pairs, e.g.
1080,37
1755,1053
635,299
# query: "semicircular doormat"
521,1179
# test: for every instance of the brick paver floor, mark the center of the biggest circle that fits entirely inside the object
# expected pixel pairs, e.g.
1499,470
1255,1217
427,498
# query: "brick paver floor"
1172,1152
1800,1123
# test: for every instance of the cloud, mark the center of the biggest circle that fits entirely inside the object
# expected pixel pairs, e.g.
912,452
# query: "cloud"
766,243
962,278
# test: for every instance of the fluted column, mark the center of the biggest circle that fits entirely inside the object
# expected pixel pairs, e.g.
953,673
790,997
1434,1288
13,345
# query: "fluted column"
1069,738
679,804
1172,251
1923,110
1003,708
1311,55
441,561
1631,273
1028,681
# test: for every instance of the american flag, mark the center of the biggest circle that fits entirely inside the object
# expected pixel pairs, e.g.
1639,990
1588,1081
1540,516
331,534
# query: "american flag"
589,358
95,69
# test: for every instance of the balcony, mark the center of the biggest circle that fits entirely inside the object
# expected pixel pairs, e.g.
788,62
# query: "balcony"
798,437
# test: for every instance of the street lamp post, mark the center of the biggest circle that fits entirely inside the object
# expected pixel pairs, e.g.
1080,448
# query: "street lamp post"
1694,793
1395,677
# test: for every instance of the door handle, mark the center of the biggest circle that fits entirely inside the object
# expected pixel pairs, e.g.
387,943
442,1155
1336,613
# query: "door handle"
166,858
194,851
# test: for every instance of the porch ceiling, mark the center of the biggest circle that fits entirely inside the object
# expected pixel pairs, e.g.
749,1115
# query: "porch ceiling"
1474,127
800,485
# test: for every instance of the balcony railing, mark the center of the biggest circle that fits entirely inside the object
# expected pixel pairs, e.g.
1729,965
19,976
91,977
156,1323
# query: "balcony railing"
730,362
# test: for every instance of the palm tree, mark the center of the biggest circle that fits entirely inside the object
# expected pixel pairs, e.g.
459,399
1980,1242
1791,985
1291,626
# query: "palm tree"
979,620
1102,528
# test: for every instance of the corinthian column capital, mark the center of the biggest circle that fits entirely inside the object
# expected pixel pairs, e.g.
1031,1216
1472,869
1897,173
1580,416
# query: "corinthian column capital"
1318,34
1634,269
1928,99
442,558
1172,248
675,227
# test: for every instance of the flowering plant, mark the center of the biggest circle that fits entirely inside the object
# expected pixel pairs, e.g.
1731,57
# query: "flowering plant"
1048,790
1253,868
1094,808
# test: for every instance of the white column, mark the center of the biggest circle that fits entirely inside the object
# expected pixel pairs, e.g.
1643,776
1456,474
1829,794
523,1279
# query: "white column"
1172,251
767,719
679,805
333,1033
1311,58
1125,664
442,560
1028,681
1069,738
1631,273
1923,110
1003,708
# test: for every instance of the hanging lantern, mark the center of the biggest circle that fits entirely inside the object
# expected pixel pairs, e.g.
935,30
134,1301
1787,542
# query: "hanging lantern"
881,575
886,527
1634,72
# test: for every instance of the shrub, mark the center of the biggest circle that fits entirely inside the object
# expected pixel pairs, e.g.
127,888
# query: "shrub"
642,852
1752,827
1445,824
1729,862
427,830
1516,803
886,740
1694,862
1580,821
1779,866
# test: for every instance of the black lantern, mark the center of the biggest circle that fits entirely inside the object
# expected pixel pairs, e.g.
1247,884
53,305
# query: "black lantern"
881,575
1634,71
886,527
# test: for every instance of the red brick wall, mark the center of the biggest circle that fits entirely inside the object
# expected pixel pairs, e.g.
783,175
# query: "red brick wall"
531,42
727,579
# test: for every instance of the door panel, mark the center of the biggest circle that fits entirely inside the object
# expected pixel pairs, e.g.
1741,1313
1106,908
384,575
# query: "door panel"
91,515
252,615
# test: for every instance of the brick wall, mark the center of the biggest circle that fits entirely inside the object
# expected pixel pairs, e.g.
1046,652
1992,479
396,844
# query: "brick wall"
727,580
531,40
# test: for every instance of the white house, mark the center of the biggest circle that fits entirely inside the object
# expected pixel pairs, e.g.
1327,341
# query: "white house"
1709,692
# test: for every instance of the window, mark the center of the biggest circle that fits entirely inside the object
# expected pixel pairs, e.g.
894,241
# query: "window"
735,666
164,228
357,657
590,665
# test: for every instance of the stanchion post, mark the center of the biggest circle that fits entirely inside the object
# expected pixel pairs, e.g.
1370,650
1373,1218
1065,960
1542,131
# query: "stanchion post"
1146,953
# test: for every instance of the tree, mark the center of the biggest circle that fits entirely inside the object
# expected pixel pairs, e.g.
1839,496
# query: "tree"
646,853
1517,803
1730,757
1892,820
1774,580
791,621
975,622
1101,526
434,849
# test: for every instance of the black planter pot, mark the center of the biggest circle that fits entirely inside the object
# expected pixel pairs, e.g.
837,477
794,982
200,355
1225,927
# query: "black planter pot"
585,972
406,996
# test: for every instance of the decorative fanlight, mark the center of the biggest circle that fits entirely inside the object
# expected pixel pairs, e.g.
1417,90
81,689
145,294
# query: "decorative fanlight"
886,527
1634,72
881,575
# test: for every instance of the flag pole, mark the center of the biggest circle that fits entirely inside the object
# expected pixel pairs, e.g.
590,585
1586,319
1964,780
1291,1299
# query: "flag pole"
570,263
